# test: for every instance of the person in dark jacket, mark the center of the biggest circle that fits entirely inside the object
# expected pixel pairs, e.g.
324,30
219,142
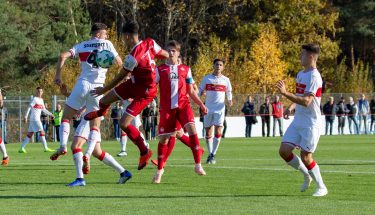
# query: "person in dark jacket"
352,115
265,113
329,110
372,111
116,116
249,112
340,113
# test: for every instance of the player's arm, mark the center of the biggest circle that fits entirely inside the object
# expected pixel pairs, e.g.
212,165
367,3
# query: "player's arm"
229,94
60,64
304,100
194,96
162,54
113,83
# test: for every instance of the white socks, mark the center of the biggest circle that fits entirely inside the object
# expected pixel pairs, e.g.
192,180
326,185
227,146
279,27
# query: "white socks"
216,144
3,149
209,141
78,162
123,141
44,142
297,164
25,142
94,137
110,161
316,176
64,133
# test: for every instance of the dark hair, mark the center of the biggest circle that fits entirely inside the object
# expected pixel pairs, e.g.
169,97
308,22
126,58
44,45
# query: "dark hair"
174,43
219,59
97,27
39,88
312,48
130,27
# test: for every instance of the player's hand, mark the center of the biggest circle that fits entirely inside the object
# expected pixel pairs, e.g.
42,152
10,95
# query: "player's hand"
204,109
97,91
281,87
287,113
57,80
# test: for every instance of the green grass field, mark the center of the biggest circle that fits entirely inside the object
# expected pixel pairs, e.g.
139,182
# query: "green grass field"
249,178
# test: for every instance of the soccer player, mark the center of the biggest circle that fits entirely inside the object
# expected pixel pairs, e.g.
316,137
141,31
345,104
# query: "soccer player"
303,132
3,150
215,85
175,83
141,86
92,76
35,125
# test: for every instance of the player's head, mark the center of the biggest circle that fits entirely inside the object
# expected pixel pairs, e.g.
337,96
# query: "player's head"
39,92
309,54
218,65
130,31
173,48
99,30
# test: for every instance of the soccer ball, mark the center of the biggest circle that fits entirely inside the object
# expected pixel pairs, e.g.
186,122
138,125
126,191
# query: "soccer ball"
104,59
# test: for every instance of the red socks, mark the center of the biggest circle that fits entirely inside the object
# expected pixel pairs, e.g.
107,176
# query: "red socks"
185,140
194,146
162,155
135,136
103,109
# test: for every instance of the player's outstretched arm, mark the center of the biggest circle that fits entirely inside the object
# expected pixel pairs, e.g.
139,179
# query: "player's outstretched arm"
301,100
194,96
60,64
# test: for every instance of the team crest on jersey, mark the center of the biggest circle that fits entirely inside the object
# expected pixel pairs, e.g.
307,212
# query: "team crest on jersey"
173,76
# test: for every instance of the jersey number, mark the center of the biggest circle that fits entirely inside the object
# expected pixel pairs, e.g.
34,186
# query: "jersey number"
91,59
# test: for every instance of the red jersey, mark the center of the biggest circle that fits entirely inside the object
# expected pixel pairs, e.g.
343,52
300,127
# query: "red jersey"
141,62
277,109
172,81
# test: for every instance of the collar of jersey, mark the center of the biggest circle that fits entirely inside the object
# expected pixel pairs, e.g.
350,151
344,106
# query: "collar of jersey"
136,44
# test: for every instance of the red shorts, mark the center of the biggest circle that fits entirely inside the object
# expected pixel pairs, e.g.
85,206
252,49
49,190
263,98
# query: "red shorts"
141,96
171,120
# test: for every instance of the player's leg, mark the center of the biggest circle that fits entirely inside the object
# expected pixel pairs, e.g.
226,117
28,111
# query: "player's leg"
76,148
26,141
290,141
104,105
110,161
123,142
162,152
44,142
3,150
218,122
208,126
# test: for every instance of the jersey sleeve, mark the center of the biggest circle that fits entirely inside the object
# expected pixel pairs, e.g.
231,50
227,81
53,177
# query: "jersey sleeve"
189,77
156,48
314,87
130,63
112,49
74,51
229,90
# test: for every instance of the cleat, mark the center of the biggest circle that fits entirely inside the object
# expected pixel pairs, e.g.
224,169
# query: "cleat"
22,150
306,183
143,160
155,162
122,154
124,177
320,192
49,150
92,115
57,154
5,161
199,169
213,161
77,183
157,177
86,165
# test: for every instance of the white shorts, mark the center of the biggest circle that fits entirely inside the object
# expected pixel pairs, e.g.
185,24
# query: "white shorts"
136,122
83,129
80,96
305,138
211,119
35,126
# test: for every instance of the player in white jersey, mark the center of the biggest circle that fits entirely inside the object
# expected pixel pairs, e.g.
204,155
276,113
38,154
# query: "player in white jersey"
216,86
303,132
81,135
35,124
3,150
92,76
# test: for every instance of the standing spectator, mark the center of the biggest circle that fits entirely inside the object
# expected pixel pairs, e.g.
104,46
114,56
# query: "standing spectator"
329,110
372,111
265,113
3,119
225,122
116,116
57,114
363,110
249,112
147,121
352,115
153,114
277,113
340,113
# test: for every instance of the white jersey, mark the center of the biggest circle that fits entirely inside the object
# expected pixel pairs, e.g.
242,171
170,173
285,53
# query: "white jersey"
308,82
35,109
87,51
216,87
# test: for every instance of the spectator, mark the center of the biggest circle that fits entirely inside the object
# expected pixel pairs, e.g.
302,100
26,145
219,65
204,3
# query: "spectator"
265,113
3,119
329,110
372,110
277,113
249,112
57,114
363,110
340,113
147,121
154,118
116,116
352,115
225,122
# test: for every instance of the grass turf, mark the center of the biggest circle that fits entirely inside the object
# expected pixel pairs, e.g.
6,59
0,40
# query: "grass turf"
249,178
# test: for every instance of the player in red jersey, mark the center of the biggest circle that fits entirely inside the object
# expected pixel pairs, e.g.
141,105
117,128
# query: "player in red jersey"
175,83
141,86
